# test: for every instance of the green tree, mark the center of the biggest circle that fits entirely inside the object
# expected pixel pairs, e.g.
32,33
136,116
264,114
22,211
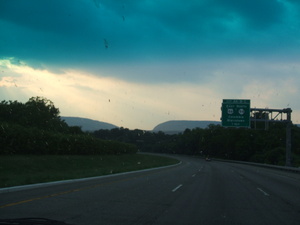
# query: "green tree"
36,112
41,112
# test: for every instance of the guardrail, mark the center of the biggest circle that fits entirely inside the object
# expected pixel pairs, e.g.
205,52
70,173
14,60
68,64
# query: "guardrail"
284,168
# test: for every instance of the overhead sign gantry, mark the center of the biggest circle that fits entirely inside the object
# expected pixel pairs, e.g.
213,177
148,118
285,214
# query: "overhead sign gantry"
276,116
237,113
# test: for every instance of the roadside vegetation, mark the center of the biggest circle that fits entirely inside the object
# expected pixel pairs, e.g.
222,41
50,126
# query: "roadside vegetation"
37,146
30,169
253,145
36,128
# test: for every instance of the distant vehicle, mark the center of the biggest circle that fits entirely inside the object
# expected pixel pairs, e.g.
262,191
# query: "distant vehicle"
207,159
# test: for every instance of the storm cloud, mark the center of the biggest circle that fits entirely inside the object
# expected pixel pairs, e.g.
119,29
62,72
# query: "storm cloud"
224,45
94,34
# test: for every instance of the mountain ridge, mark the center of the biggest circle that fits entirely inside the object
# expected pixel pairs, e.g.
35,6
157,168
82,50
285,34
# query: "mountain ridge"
178,126
87,124
168,127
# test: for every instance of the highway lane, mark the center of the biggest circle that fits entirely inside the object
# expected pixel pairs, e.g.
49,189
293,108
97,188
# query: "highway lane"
194,192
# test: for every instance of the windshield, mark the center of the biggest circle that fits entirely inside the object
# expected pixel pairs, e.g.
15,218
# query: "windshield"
87,87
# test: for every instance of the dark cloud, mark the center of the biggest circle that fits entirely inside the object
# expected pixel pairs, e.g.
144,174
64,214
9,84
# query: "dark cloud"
255,13
95,35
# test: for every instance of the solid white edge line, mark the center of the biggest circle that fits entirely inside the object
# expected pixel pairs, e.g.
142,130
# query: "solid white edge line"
47,184
175,189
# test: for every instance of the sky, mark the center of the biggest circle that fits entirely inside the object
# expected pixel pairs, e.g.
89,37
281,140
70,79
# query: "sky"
138,63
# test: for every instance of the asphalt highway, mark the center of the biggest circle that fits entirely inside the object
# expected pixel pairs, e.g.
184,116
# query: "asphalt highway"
193,192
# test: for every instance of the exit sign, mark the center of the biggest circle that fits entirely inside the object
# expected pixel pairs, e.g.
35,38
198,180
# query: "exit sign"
236,113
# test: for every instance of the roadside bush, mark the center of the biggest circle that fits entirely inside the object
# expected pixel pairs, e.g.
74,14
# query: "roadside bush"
275,156
16,139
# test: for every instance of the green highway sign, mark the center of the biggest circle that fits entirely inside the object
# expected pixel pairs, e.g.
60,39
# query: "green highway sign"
236,113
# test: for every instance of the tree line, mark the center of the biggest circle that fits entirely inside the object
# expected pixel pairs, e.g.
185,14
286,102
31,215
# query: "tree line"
255,145
35,127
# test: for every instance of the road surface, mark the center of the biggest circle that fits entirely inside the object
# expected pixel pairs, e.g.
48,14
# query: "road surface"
194,192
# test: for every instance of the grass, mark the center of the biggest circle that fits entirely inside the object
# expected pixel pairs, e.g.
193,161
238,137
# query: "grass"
29,169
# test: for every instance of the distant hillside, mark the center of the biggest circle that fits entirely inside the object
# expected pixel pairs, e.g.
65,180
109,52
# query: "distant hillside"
177,126
87,124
